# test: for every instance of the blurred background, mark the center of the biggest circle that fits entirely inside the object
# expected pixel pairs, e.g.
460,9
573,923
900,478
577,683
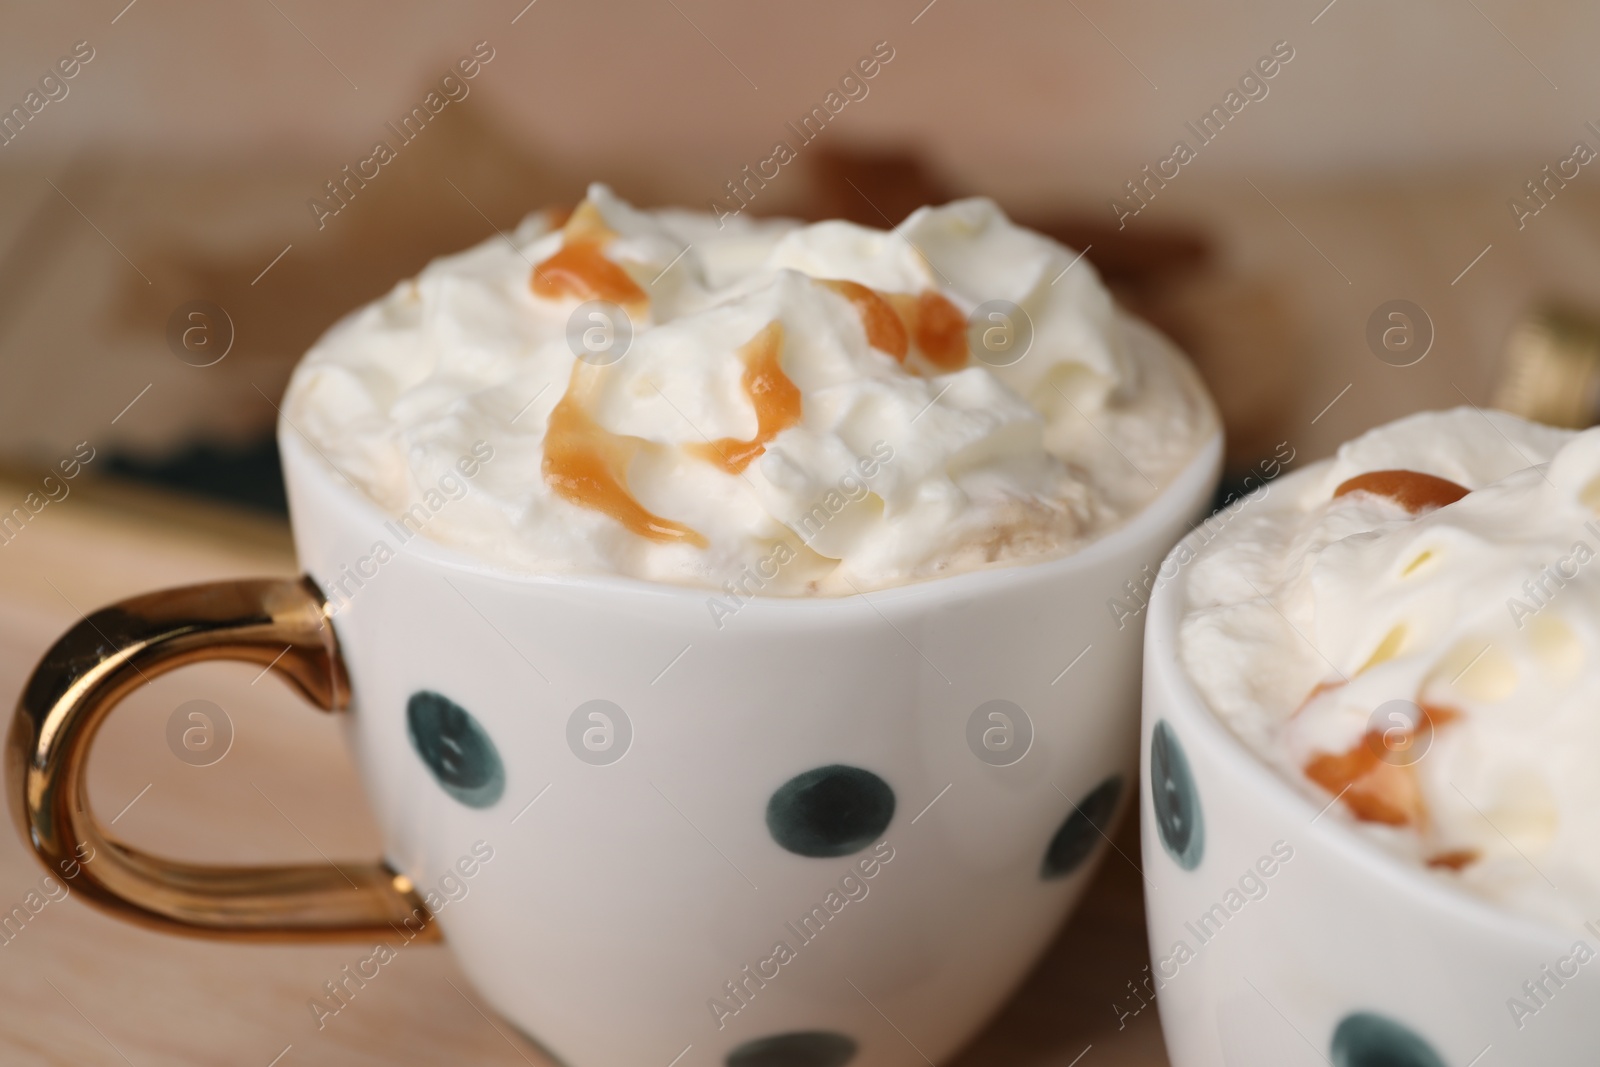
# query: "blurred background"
1379,166
1402,216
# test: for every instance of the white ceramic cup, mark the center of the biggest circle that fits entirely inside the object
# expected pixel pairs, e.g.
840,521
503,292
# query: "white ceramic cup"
1281,937
812,832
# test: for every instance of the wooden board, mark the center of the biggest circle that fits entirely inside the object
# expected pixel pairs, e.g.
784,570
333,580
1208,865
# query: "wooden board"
84,989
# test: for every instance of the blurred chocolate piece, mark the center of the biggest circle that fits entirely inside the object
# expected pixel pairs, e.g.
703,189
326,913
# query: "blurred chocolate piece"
1124,258
1550,371
881,187
1241,334
871,188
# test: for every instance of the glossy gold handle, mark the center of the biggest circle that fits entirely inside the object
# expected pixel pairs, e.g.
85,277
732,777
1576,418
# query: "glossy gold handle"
279,623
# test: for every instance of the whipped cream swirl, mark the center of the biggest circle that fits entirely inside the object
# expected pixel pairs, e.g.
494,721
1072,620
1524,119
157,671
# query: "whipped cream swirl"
1424,644
797,403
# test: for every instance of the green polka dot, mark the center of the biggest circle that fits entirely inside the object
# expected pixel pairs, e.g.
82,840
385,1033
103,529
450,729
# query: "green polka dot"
812,1048
455,748
830,811
1083,830
1368,1040
1177,803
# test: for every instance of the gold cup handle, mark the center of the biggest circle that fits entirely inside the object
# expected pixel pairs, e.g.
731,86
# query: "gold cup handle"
279,623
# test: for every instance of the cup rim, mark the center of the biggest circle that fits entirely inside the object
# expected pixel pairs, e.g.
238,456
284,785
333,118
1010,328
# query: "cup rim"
1173,503
1251,771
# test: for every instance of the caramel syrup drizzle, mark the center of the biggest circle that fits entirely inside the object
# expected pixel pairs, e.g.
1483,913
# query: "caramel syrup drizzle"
938,327
579,268
886,330
775,397
1412,490
586,464
894,320
1373,789
1454,860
